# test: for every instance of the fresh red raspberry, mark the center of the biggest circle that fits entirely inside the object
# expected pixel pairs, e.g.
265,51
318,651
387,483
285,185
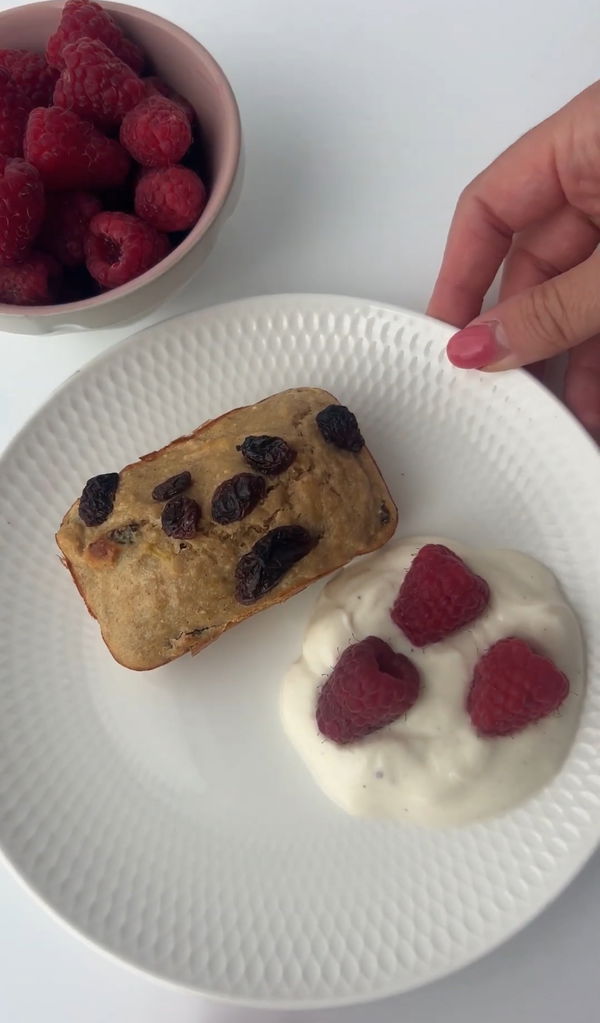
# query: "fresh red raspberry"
369,687
155,86
31,73
170,198
71,153
22,206
96,84
512,687
439,596
86,18
35,281
65,227
120,247
14,111
156,132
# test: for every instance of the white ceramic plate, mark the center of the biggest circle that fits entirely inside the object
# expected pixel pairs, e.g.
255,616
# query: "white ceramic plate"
164,815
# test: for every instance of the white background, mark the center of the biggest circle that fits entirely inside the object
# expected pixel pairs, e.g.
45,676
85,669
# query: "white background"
363,119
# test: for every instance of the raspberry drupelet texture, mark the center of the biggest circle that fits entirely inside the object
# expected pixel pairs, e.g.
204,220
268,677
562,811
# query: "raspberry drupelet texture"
370,686
85,18
513,686
96,84
120,247
439,595
14,111
156,132
34,281
170,198
22,207
71,153
31,73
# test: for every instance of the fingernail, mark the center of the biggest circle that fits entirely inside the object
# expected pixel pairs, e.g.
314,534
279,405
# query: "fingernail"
477,346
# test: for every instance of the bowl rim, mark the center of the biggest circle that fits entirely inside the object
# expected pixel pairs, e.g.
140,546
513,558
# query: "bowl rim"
218,194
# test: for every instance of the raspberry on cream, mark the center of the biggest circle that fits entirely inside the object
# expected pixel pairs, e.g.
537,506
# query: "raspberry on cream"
430,766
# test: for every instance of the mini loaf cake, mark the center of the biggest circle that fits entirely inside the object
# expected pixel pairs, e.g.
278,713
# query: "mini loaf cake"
245,512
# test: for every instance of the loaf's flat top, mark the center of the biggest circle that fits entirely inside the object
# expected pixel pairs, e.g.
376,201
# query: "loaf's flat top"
156,597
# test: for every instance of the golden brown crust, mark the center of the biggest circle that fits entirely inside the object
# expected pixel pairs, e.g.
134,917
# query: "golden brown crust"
156,598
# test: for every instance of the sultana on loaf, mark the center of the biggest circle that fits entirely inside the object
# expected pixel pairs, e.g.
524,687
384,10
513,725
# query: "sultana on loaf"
162,577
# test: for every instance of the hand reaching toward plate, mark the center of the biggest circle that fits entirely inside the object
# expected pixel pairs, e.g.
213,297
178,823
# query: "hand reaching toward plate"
536,209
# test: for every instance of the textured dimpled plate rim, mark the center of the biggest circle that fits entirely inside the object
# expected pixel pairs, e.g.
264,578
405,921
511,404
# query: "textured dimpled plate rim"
165,816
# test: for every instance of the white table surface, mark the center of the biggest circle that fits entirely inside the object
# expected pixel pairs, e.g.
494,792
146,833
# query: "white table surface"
362,119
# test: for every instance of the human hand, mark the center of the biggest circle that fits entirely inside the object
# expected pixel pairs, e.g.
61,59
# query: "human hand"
537,209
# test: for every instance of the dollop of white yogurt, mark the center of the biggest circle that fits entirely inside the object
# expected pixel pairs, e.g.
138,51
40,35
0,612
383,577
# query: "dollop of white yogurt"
430,767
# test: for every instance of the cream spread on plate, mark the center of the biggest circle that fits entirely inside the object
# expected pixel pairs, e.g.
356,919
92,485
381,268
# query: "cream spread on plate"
430,767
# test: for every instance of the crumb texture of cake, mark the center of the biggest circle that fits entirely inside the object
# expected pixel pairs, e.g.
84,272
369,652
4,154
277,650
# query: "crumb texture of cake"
162,575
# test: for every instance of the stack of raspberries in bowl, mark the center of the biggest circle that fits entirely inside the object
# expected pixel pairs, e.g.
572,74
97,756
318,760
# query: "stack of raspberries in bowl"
100,163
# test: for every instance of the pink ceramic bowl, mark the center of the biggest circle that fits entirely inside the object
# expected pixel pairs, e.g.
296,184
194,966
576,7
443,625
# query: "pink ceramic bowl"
190,69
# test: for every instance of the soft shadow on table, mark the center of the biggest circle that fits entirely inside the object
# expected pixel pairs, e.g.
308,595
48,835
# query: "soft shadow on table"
252,253
563,933
268,244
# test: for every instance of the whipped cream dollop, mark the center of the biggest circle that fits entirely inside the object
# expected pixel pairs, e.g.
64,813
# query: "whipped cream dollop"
430,767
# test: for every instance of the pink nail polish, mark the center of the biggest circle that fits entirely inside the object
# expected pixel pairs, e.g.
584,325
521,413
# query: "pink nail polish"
477,346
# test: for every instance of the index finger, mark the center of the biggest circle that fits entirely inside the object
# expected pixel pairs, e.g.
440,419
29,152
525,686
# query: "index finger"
520,187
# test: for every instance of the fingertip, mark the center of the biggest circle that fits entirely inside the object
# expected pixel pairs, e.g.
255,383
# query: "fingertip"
475,347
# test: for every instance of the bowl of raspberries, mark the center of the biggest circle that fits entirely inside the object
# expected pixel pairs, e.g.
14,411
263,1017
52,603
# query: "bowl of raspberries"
119,160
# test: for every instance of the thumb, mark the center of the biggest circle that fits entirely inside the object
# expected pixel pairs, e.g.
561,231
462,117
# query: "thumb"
534,325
